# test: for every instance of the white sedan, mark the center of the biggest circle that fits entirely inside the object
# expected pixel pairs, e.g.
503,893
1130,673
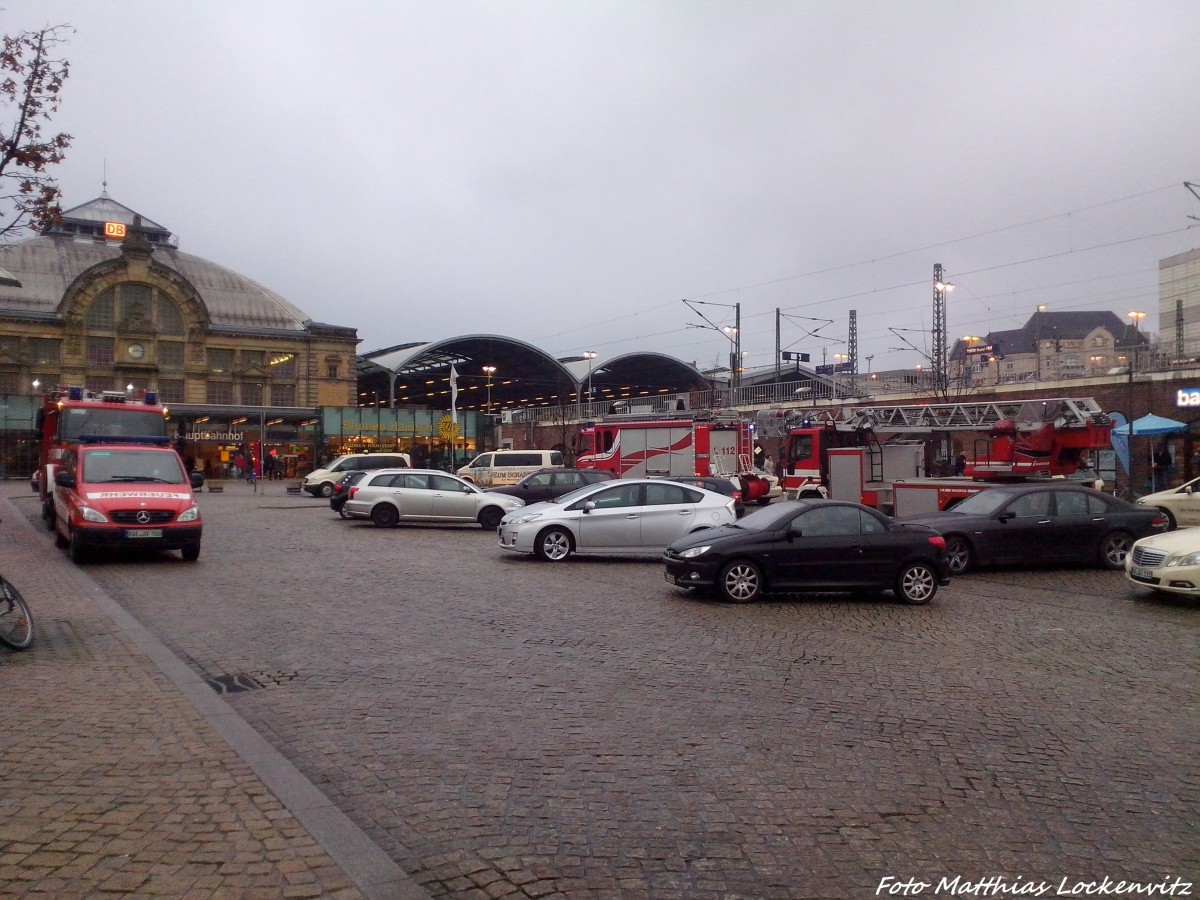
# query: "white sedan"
1180,505
1167,562
636,517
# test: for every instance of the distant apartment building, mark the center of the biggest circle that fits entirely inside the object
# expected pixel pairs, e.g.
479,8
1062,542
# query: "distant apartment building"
1179,308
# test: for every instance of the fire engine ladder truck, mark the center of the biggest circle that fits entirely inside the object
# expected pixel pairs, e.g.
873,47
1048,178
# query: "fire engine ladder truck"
1064,412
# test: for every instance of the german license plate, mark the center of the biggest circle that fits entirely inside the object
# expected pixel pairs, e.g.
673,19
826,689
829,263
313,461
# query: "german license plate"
134,533
1140,573
671,578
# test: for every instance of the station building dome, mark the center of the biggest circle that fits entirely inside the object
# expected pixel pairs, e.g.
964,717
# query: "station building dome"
105,298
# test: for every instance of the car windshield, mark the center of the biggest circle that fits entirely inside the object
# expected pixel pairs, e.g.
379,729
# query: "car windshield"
567,499
983,503
767,518
107,466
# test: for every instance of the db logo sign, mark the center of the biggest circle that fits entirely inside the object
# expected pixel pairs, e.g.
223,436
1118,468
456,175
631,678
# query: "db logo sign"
1187,397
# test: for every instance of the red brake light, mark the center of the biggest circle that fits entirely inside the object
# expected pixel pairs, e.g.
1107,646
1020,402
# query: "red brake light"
353,491
737,495
1159,522
938,541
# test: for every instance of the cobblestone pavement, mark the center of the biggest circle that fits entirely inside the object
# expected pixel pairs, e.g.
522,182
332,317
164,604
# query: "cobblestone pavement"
503,727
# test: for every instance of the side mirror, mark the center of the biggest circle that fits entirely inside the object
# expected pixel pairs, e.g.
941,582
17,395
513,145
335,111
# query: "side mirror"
589,506
1005,516
1188,489
64,479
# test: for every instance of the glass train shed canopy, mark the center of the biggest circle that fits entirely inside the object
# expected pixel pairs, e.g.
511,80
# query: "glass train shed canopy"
418,374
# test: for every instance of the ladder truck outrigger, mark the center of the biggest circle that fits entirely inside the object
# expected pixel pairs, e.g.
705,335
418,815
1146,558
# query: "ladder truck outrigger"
72,416
879,455
685,443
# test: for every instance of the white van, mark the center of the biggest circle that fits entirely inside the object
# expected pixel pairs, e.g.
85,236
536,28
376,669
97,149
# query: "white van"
320,482
508,466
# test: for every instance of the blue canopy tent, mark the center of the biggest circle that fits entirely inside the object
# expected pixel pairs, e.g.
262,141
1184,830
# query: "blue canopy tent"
1148,425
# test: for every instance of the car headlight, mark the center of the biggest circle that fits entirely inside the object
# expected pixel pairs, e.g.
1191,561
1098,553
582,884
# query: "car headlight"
91,515
1188,559
189,515
693,552
521,520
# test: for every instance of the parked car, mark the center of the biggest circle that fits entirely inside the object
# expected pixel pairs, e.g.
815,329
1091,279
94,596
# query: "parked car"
812,545
320,482
1040,523
628,516
1169,563
547,484
730,487
341,490
390,496
1180,505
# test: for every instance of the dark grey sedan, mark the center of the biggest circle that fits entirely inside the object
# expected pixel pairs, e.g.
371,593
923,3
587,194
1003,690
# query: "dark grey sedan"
1033,524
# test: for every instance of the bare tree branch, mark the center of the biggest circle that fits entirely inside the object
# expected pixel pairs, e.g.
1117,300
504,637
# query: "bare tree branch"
31,82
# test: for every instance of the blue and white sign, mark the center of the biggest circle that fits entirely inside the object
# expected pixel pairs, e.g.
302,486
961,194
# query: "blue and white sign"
1187,397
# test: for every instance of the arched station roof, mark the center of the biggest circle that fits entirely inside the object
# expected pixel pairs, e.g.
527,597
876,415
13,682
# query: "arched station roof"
525,376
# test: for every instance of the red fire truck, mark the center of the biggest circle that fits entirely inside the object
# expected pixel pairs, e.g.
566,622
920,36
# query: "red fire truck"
685,443
879,455
71,416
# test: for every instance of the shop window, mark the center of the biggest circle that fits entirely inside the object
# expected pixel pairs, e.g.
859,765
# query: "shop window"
252,394
283,365
170,390
99,351
283,395
219,392
170,355
220,362
44,351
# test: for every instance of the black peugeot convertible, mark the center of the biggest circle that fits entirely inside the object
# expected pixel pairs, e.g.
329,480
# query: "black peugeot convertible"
813,546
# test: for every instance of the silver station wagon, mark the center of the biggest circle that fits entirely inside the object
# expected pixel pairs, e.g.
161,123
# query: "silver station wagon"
390,496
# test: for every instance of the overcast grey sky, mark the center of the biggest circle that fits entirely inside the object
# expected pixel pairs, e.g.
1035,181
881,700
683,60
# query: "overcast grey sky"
567,172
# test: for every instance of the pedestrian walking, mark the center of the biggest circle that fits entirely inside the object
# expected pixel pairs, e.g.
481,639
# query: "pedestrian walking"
1162,466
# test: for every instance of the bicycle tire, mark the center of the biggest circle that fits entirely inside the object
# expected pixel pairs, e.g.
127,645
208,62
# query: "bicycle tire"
16,621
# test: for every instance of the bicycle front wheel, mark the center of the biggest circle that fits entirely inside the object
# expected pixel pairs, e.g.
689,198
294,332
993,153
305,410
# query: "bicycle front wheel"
16,622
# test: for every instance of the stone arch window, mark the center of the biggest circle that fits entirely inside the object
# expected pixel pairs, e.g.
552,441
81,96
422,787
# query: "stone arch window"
135,306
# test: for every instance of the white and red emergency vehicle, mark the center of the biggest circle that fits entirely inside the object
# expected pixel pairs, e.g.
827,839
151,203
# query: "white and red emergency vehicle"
879,455
685,443
120,493
72,415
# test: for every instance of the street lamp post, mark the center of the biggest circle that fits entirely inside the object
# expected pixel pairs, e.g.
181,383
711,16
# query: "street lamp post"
489,371
589,355
1134,352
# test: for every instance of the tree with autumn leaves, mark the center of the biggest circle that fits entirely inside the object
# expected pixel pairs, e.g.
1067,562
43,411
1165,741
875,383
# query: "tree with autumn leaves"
31,81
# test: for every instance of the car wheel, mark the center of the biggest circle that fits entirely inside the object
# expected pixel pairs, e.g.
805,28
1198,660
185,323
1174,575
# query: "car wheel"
326,490
741,582
75,548
191,552
385,515
342,512
958,549
489,517
553,544
916,584
1114,548
1171,523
